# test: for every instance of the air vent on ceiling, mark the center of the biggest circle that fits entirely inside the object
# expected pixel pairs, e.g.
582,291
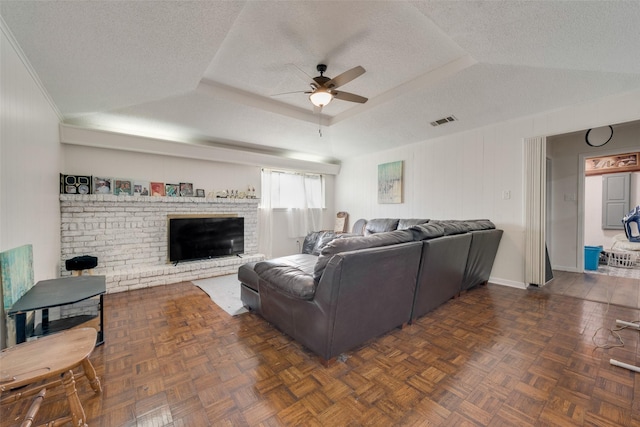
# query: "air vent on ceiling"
443,121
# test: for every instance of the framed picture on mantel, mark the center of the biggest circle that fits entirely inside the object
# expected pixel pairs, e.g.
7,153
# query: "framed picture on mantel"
186,189
157,189
172,190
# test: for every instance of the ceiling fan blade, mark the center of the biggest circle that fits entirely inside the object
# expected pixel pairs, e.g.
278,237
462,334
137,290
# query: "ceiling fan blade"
345,77
299,72
351,97
288,93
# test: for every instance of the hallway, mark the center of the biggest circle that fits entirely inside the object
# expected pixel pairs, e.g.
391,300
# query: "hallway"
604,286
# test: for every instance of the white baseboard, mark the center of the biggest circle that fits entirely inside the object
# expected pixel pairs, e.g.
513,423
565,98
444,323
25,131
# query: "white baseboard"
509,283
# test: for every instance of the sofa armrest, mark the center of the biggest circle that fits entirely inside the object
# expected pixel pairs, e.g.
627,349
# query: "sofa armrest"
287,279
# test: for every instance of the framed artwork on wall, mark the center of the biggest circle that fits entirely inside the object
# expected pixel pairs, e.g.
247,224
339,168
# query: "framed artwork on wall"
390,182
628,162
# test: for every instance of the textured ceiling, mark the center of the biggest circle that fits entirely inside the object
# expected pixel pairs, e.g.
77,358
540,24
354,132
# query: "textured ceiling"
213,71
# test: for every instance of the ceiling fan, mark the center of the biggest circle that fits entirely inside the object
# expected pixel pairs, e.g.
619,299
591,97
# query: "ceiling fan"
324,88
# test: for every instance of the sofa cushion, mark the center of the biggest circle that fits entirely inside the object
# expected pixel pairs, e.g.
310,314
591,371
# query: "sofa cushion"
354,243
479,224
316,240
380,225
452,227
287,279
427,231
403,224
248,276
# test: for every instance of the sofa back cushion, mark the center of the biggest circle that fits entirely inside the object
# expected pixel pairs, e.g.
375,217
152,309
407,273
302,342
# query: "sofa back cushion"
452,227
354,243
404,223
358,227
479,224
380,225
316,240
426,231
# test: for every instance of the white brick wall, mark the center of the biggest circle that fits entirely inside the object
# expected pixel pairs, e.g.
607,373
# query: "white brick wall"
129,237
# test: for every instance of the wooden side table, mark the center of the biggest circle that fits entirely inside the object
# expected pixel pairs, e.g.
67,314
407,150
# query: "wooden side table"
51,359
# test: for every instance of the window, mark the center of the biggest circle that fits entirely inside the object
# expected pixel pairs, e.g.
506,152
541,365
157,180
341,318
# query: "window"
293,190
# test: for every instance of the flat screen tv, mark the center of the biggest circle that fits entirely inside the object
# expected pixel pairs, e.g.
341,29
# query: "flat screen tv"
192,238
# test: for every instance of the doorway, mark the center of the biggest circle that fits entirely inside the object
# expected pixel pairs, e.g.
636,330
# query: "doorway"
568,189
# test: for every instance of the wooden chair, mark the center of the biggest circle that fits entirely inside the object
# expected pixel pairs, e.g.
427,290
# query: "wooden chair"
51,360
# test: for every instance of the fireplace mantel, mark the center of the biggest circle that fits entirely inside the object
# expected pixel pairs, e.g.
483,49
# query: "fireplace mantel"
128,234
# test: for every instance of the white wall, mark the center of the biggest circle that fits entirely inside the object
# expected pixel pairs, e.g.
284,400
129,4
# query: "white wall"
465,175
29,165
211,176
565,152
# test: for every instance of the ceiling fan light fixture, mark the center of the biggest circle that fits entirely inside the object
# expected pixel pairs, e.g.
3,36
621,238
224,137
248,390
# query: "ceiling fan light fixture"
320,97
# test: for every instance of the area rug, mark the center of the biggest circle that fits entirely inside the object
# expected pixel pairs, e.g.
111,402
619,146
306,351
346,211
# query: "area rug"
224,291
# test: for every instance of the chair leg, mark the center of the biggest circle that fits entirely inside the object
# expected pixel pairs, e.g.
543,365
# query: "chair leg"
33,409
77,412
90,372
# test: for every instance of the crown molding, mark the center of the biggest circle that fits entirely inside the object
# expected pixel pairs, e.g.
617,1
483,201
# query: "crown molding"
25,61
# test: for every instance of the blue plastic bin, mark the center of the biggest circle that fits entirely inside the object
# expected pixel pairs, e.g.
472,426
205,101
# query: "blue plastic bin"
591,257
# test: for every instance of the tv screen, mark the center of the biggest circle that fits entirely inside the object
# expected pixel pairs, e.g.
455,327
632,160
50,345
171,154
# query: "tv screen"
192,238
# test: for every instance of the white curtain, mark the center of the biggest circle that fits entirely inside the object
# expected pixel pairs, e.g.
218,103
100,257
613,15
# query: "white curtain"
265,215
302,195
308,217
535,208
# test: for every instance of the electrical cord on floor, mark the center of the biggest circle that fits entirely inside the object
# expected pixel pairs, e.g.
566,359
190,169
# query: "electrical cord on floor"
615,334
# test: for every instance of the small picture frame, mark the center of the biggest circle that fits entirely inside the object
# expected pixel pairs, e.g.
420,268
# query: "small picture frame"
75,184
157,189
172,190
123,187
199,192
102,185
141,188
186,189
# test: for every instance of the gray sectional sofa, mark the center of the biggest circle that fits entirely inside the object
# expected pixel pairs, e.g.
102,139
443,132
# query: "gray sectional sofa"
345,289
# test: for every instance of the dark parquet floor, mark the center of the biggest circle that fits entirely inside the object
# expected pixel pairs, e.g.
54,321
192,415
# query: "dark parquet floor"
495,356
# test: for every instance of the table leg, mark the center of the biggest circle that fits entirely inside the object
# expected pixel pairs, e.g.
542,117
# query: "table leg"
90,372
45,321
21,327
100,339
77,411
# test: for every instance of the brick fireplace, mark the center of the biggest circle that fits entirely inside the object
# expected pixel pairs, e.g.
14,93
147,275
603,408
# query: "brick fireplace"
129,236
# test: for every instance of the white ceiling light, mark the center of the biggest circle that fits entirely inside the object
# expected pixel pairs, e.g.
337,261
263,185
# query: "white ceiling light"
321,97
